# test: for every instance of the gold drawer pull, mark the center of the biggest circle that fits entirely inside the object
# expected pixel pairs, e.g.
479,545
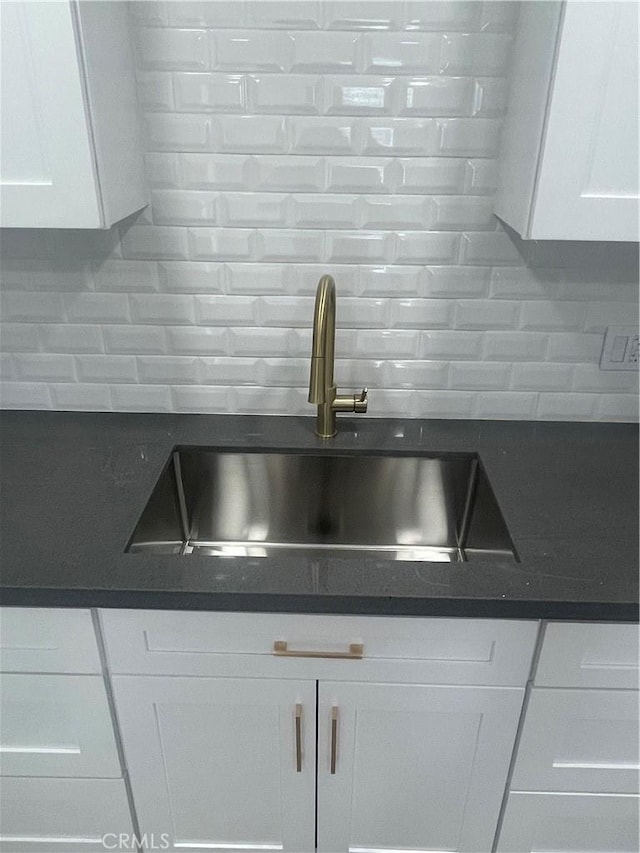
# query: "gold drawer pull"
356,652
334,738
298,738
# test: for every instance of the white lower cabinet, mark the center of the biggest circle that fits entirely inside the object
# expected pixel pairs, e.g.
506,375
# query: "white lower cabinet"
412,767
221,763
341,745
570,823
575,782
64,815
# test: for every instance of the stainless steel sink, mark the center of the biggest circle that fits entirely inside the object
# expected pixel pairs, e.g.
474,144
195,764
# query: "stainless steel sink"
427,508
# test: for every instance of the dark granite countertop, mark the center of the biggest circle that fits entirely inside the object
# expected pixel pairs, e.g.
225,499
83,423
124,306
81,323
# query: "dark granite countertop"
73,486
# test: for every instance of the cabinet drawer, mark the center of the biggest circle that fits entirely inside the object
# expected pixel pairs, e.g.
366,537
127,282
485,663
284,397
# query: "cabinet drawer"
567,823
65,815
56,725
34,639
439,651
579,740
589,655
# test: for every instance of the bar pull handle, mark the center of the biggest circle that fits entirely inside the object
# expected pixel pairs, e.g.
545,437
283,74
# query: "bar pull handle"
281,649
334,738
298,738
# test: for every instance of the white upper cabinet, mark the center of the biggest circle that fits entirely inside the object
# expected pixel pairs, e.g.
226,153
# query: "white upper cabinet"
569,163
70,142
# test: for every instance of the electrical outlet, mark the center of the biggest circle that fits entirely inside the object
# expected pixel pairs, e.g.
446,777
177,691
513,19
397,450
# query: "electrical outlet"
620,348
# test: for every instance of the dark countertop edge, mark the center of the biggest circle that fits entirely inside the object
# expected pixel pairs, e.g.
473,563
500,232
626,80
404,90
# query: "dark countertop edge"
577,611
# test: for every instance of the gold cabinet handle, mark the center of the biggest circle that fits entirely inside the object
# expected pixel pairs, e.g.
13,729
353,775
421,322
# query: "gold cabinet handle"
281,649
334,738
298,738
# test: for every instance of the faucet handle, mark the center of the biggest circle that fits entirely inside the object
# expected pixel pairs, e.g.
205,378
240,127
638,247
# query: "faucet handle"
360,403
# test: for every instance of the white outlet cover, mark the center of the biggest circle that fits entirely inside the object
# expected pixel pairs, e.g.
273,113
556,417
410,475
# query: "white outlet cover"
620,348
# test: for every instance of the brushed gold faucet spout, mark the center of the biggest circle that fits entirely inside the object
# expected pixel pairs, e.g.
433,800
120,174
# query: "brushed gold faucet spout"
322,389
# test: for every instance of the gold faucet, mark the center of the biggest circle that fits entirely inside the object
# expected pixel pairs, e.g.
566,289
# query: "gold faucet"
322,388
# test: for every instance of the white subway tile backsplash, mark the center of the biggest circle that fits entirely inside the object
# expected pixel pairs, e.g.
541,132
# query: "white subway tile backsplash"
566,406
81,397
21,337
453,345
249,134
291,174
182,207
361,14
155,90
301,14
321,135
168,370
135,340
421,313
220,244
552,316
402,53
155,242
418,247
541,377
325,211
209,92
268,210
97,307
252,50
190,277
226,310
358,247
470,137
178,131
287,139
511,405
399,137
458,213
141,398
162,308
415,374
41,366
431,175
389,280
289,246
31,307
25,395
256,279
197,340
393,212
106,368
68,338
172,49
354,96
441,15
289,95
486,314
323,53
435,96
617,407
215,171
482,54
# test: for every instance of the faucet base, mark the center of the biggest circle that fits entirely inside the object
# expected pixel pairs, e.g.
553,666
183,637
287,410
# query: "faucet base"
326,421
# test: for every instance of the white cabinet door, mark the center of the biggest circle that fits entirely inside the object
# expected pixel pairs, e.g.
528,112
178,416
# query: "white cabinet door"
579,740
415,767
47,173
215,763
56,725
570,823
588,176
64,815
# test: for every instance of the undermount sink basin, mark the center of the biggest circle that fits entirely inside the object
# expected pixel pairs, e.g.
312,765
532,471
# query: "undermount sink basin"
438,508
